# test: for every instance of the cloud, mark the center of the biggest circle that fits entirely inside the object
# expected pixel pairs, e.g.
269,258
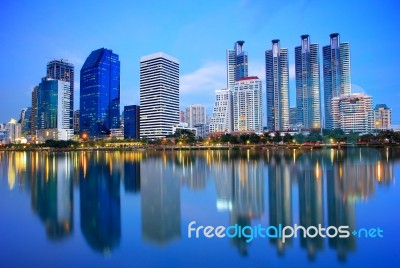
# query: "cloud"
210,77
257,68
198,87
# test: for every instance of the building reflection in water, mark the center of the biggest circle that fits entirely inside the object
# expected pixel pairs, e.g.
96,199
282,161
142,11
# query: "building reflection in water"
131,165
240,190
310,185
194,170
100,208
330,183
52,195
160,201
350,179
280,194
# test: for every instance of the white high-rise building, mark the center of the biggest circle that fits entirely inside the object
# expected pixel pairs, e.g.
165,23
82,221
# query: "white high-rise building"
247,105
13,130
221,120
353,113
195,114
382,117
277,87
159,95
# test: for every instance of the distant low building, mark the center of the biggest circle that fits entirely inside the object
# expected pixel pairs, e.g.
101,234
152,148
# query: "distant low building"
117,133
183,126
353,113
195,114
132,122
45,134
382,117
202,130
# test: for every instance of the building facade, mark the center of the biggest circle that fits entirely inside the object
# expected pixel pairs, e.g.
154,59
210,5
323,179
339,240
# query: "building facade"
25,120
293,118
237,64
353,113
13,131
159,95
308,95
64,71
382,117
54,111
100,93
337,76
277,87
222,118
34,111
195,114
132,122
247,105
76,121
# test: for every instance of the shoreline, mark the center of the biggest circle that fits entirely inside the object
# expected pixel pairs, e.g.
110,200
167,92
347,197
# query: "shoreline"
202,148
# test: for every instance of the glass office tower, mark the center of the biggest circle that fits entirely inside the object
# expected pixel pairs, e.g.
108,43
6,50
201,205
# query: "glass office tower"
100,93
308,100
337,79
277,86
64,71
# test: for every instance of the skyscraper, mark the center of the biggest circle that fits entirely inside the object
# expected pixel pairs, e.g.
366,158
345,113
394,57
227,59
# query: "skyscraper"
100,93
63,70
34,111
237,64
247,105
308,96
337,79
195,114
53,108
159,95
132,122
277,81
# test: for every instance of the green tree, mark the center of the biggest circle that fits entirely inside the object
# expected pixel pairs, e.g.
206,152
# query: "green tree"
254,138
277,138
185,136
287,138
299,138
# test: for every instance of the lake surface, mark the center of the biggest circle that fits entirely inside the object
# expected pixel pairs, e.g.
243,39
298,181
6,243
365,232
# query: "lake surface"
132,209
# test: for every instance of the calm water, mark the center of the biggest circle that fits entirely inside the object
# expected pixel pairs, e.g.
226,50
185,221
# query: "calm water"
132,209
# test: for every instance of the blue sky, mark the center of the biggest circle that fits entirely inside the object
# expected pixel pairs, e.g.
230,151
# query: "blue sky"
198,34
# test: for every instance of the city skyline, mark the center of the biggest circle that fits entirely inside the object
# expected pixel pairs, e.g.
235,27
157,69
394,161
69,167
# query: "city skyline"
202,70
